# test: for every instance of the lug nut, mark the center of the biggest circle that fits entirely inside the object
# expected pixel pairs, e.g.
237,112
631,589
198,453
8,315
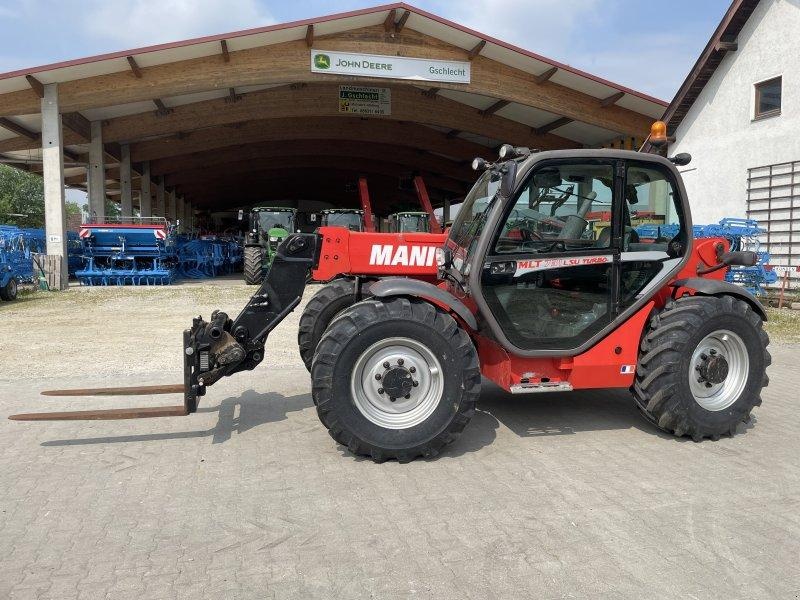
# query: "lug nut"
412,369
697,368
699,380
712,352
703,357
392,399
400,361
380,390
378,376
408,396
415,383
708,384
386,365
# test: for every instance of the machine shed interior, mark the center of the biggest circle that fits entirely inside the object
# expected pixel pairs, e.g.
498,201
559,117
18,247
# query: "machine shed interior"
225,122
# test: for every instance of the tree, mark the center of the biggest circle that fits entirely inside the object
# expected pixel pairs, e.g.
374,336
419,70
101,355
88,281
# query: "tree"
22,198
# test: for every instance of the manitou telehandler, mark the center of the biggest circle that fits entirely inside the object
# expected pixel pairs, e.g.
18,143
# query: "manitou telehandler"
533,296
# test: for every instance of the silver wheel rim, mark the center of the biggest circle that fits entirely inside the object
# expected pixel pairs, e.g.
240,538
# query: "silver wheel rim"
712,395
12,289
399,353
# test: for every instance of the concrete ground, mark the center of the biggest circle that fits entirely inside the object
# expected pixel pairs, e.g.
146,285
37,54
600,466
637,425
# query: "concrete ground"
546,496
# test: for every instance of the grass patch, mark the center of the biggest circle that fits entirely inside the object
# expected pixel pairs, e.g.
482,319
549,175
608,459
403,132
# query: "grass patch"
783,325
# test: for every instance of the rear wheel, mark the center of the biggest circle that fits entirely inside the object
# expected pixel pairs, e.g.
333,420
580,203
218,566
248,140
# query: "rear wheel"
702,365
323,306
9,291
395,379
253,265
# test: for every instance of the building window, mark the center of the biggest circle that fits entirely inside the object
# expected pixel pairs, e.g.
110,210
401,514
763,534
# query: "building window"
768,98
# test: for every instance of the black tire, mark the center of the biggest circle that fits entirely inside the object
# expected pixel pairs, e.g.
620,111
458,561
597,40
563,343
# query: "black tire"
323,306
662,385
9,291
373,321
253,265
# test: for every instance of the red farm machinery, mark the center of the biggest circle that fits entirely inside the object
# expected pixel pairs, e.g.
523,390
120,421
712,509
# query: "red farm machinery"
529,289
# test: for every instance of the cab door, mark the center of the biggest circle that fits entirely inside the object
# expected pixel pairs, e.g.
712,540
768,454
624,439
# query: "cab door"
549,274
582,242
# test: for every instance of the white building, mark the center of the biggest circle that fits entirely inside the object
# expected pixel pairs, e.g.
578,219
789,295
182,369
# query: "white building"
738,115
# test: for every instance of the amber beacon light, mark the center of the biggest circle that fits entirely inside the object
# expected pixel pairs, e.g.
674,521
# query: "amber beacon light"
658,133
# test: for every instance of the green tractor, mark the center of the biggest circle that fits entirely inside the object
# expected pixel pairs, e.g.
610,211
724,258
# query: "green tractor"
405,222
349,218
269,226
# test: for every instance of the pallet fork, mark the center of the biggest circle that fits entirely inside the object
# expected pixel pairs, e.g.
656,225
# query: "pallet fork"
217,348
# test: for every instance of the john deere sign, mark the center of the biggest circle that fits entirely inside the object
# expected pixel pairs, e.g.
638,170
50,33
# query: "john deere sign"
389,67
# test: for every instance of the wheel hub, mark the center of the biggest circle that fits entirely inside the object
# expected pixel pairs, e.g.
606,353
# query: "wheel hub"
714,369
397,382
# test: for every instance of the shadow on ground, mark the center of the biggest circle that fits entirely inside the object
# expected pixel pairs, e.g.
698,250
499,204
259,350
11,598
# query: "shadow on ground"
254,409
531,415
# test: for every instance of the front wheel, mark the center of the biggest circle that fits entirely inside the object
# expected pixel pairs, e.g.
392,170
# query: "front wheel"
702,366
9,291
395,378
253,265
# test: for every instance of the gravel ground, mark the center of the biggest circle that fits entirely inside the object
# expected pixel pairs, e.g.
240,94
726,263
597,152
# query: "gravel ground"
548,496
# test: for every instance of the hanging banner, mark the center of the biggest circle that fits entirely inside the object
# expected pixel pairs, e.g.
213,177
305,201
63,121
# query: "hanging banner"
360,100
389,67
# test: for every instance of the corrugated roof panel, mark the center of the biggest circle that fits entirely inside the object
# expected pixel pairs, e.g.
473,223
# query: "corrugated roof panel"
120,110
528,115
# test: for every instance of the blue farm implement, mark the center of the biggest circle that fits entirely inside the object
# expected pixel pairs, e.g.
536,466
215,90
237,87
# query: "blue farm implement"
17,247
742,235
128,251
207,256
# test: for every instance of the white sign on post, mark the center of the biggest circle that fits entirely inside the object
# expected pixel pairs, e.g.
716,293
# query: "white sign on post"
360,100
389,67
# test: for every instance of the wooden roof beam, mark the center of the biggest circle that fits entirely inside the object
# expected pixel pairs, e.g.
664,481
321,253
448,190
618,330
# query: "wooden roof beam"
499,105
310,35
540,79
402,22
14,127
612,99
36,85
162,110
721,46
75,121
223,45
233,96
388,23
476,49
137,71
552,125
432,92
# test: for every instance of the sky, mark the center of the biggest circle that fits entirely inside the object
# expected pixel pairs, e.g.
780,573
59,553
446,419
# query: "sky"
648,45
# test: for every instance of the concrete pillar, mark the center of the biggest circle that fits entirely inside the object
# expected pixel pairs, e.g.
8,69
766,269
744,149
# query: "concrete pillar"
161,206
146,198
179,213
55,214
126,190
97,173
445,212
170,214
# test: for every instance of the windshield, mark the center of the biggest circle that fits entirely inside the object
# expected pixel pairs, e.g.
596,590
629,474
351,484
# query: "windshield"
269,219
471,217
352,221
414,223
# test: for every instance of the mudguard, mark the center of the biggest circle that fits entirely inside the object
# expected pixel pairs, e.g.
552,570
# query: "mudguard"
715,287
401,286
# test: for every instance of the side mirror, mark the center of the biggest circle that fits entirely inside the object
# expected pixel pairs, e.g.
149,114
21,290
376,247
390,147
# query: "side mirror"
508,177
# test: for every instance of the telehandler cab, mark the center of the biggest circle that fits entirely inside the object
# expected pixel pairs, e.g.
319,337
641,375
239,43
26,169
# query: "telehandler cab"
534,291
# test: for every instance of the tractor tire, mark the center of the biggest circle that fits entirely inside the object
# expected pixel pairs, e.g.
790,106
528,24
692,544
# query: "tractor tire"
427,364
253,265
702,365
9,291
328,302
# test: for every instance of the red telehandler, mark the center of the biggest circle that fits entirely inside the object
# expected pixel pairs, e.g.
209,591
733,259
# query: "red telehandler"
530,293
